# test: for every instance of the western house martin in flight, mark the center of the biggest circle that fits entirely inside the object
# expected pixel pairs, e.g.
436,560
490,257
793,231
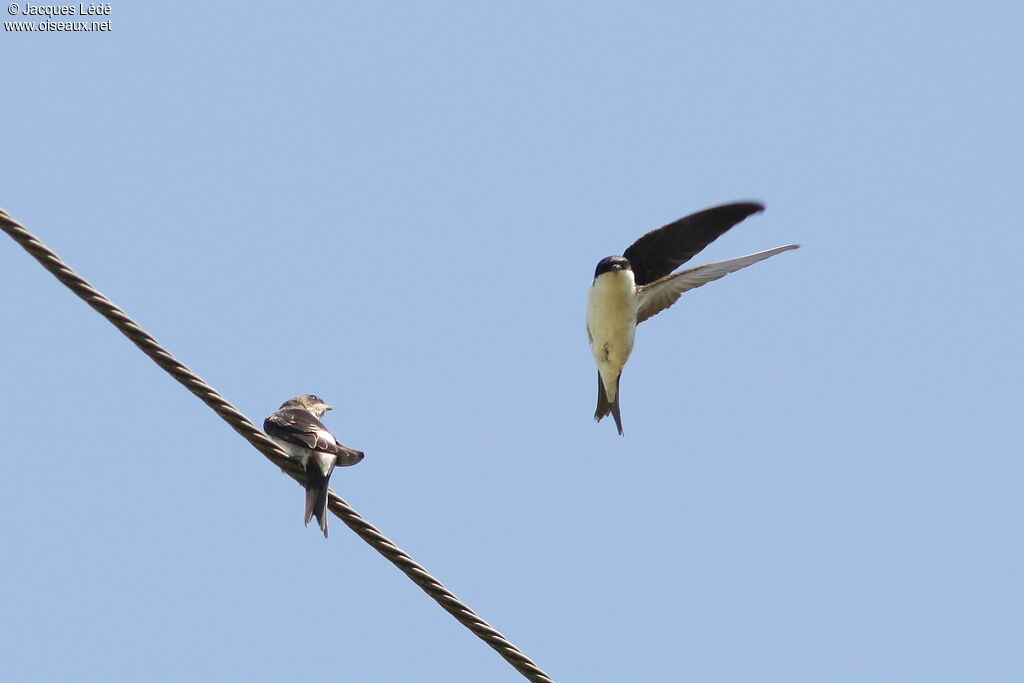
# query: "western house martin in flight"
297,429
631,288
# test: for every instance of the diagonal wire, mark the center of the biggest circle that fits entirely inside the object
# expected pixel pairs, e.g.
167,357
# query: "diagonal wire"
261,442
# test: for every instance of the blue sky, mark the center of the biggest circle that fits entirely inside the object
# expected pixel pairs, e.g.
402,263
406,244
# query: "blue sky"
399,207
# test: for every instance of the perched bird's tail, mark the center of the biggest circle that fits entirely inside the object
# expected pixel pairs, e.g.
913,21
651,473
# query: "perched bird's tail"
604,406
316,497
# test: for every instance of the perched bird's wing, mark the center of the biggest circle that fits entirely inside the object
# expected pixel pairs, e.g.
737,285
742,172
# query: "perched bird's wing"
661,251
303,429
659,295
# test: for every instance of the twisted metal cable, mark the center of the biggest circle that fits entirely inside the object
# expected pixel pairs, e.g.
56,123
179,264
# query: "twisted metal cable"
261,442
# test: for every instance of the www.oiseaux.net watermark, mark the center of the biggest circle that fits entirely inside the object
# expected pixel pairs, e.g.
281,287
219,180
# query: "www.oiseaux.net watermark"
80,17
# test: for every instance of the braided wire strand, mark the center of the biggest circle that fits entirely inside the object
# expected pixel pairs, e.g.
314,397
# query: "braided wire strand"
261,442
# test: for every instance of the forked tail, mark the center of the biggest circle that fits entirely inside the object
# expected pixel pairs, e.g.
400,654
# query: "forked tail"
604,406
316,497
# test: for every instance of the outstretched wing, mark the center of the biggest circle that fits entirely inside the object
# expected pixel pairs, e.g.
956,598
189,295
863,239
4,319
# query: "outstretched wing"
661,251
659,295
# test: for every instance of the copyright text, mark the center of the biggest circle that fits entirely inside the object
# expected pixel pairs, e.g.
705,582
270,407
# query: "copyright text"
60,12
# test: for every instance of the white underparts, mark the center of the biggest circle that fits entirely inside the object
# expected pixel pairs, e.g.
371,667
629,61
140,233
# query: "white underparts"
324,461
611,321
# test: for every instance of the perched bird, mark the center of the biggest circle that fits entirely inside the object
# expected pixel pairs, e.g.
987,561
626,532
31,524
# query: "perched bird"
296,428
629,289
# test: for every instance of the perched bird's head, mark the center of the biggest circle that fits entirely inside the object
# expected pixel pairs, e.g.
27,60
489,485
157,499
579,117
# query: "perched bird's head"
612,264
313,404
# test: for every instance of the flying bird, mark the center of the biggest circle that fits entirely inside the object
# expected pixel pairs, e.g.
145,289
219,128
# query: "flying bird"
296,428
631,288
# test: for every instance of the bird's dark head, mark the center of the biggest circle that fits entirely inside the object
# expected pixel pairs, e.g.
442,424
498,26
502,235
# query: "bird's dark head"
313,404
612,264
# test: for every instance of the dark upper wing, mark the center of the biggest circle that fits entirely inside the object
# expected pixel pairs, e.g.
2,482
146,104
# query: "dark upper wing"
661,251
302,429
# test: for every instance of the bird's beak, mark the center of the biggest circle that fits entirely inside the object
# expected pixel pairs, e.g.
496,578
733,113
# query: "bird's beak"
328,408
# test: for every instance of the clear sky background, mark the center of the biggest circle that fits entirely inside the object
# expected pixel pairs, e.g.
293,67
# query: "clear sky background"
399,207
